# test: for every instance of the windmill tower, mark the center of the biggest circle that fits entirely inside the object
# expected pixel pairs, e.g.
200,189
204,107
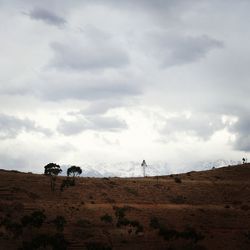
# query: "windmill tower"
144,165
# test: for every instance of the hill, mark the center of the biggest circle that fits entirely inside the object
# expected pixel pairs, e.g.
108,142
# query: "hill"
196,210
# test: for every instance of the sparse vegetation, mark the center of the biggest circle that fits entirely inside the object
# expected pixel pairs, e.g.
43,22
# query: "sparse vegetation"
67,183
177,179
107,218
131,191
59,222
98,246
36,219
44,241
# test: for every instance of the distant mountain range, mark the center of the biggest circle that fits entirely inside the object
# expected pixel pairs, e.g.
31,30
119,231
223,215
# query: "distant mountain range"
134,169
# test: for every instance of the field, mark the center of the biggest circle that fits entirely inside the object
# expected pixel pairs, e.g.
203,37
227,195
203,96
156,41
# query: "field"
195,210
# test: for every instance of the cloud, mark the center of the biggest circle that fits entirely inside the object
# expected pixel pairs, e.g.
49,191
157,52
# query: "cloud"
46,16
172,49
11,126
241,129
77,57
93,122
85,88
202,126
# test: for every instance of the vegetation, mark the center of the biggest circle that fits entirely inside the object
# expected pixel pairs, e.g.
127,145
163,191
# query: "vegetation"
177,179
44,241
107,218
97,246
169,234
74,171
67,183
13,227
59,222
52,170
36,219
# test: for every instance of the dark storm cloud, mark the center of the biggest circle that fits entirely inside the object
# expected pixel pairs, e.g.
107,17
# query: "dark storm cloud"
172,49
46,16
11,126
199,125
92,56
93,122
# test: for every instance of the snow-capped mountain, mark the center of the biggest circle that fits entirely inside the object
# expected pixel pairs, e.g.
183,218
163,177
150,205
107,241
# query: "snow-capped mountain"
134,169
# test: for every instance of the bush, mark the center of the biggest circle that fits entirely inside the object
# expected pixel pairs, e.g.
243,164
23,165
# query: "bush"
68,182
43,241
107,218
154,223
36,219
83,223
97,246
131,191
59,222
177,179
13,227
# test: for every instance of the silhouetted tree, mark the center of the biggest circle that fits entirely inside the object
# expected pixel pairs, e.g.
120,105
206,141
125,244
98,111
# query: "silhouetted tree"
74,171
52,170
243,160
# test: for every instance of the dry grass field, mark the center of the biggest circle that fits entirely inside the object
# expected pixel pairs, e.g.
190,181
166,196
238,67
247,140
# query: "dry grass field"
195,210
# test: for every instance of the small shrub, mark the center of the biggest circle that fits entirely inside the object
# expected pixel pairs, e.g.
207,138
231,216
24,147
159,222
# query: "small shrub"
177,179
107,218
83,223
154,223
13,227
44,241
131,191
97,246
68,182
36,219
59,222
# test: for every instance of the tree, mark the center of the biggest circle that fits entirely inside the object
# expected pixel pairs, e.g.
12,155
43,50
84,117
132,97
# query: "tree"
74,171
52,170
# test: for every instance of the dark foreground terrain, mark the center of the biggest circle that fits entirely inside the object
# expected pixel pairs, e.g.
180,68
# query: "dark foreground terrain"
196,210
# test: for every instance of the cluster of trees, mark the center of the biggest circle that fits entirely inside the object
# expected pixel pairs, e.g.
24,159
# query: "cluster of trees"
53,170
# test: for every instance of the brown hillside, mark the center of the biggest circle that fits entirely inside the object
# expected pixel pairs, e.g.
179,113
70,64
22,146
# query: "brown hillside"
196,210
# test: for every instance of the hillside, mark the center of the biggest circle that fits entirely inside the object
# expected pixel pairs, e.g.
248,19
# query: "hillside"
196,210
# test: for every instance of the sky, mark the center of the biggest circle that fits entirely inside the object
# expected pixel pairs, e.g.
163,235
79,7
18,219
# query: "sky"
116,81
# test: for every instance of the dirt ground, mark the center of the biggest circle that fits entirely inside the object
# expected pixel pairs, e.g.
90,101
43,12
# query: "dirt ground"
195,210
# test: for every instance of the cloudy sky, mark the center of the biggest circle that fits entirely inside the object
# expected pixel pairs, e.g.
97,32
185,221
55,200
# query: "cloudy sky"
114,81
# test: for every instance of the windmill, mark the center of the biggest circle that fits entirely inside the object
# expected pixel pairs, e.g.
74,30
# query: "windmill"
144,165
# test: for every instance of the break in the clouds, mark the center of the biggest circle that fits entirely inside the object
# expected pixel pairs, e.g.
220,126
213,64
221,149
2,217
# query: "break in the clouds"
130,79
46,16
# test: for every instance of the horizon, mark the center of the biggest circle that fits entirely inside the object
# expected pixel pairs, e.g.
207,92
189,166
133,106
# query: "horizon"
87,82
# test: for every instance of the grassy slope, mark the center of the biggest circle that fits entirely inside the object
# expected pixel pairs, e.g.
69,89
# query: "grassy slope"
215,203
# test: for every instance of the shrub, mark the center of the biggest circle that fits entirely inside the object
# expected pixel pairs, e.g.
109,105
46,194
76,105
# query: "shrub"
67,183
131,191
13,227
44,241
154,223
36,219
83,223
59,222
177,179
97,246
107,218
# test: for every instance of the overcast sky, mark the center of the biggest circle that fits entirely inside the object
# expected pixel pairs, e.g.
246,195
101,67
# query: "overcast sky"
114,81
